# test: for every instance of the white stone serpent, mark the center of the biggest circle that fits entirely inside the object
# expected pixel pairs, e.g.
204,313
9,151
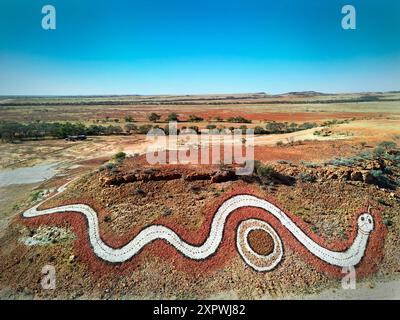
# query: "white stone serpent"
350,257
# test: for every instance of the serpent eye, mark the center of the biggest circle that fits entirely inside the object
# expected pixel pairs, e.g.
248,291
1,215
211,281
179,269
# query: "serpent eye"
369,220
362,218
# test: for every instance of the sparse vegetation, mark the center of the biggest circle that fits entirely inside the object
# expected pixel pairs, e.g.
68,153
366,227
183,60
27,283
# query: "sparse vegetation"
238,119
193,118
36,195
264,171
273,127
110,166
12,131
120,155
173,117
306,177
145,128
154,117
211,126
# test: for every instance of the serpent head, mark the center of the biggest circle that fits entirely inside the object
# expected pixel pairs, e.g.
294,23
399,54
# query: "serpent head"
365,223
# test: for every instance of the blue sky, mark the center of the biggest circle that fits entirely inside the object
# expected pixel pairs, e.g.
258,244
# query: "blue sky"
198,46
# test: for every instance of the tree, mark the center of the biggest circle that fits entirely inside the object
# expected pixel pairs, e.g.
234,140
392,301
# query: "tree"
211,126
129,119
238,119
259,130
154,117
129,127
193,118
173,117
145,128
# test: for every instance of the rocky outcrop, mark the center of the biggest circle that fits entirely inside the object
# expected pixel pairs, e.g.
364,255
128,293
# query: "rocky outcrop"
146,175
193,176
223,176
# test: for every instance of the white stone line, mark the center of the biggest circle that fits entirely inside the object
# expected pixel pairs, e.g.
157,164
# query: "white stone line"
349,257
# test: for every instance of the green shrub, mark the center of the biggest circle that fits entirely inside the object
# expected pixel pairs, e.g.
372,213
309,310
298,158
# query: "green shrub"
387,222
387,145
310,164
379,151
120,155
382,180
145,128
173,117
109,165
306,177
348,162
154,117
193,118
382,202
265,171
36,195
211,126
238,119
259,130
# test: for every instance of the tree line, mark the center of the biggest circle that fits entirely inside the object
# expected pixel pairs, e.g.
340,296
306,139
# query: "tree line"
12,131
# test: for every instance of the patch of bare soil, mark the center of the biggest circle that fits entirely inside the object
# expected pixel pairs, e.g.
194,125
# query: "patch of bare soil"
180,196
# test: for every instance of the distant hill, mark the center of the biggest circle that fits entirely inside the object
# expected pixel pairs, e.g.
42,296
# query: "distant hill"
307,93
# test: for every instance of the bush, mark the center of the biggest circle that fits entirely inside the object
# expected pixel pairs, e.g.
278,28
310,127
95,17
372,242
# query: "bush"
145,128
379,151
259,130
365,155
120,155
387,145
193,118
36,195
265,171
382,180
306,177
310,164
154,117
139,192
238,119
211,126
387,222
128,119
342,162
110,165
279,144
129,127
173,117
195,128
382,202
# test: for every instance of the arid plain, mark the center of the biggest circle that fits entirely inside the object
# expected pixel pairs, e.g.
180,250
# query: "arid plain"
320,157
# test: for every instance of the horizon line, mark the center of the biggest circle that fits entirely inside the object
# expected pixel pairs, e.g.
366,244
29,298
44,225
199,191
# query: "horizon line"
198,94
